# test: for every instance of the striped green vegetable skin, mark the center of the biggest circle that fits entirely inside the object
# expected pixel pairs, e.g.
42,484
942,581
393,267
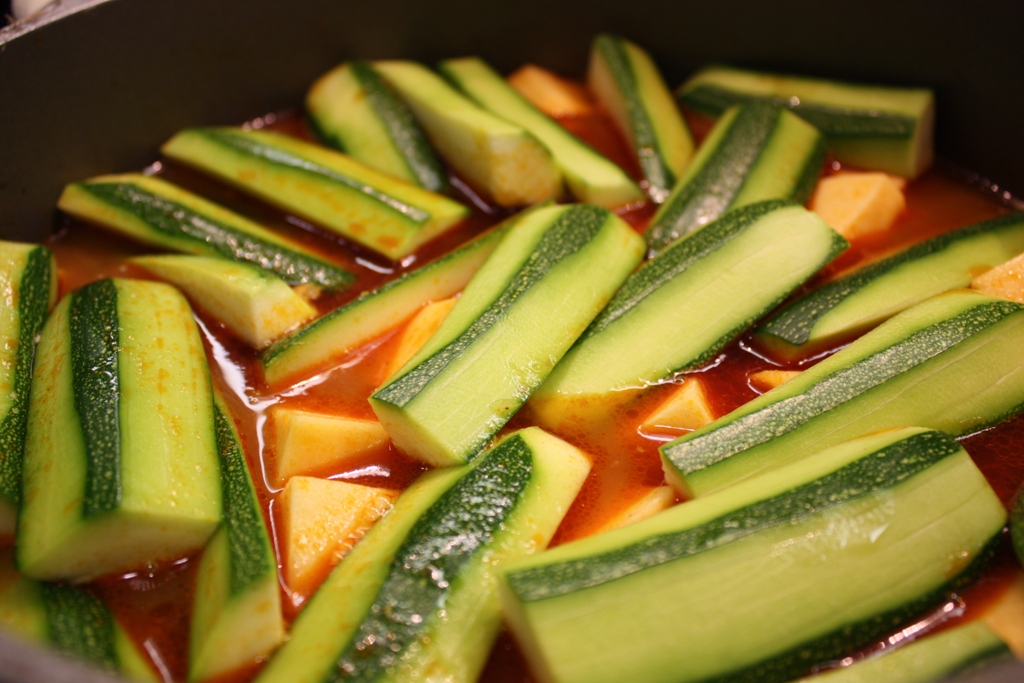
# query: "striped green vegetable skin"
762,580
951,363
754,152
120,465
28,281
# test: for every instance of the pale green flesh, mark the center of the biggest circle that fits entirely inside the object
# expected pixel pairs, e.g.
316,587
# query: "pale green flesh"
167,502
312,347
236,615
723,287
491,153
352,110
380,212
876,292
560,265
764,604
951,363
591,177
927,659
628,84
886,129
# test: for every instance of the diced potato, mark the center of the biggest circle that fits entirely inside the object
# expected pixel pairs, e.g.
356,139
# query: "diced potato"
323,519
859,204
313,442
256,305
661,498
1005,617
766,380
686,408
551,94
1006,280
417,332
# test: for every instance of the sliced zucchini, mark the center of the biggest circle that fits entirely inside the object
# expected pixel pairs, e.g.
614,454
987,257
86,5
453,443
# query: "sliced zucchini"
951,363
353,110
28,288
683,306
415,599
120,465
766,579
70,620
551,275
160,214
628,85
326,187
865,297
591,176
498,157
236,611
755,152
932,658
311,348
257,306
871,127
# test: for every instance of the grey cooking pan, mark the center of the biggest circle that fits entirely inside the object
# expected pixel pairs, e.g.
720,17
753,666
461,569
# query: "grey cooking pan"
94,86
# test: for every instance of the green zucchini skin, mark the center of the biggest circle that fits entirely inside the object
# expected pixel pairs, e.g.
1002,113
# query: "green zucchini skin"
28,278
934,657
311,347
871,294
835,525
70,620
489,347
755,152
592,178
236,613
776,245
872,127
626,81
946,364
417,595
120,464
385,214
352,109
160,214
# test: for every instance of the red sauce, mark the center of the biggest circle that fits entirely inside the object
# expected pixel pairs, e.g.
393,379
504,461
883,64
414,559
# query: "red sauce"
154,604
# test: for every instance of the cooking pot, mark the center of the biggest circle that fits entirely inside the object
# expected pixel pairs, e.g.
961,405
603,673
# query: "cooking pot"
94,86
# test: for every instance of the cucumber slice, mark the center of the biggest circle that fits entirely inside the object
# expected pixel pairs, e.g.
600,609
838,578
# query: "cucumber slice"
500,158
257,306
753,153
591,177
684,305
160,214
236,613
353,110
932,658
311,348
326,187
951,363
626,81
69,620
766,579
867,296
120,465
416,599
551,275
28,288
871,127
